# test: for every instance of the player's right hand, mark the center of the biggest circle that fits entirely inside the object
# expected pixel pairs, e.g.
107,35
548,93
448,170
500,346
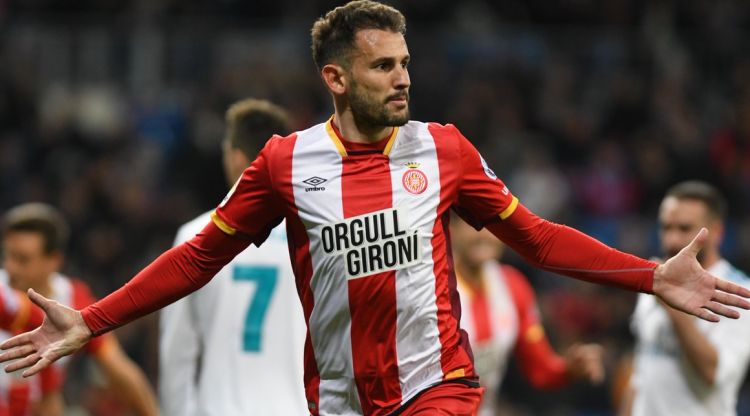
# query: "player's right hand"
62,333
585,362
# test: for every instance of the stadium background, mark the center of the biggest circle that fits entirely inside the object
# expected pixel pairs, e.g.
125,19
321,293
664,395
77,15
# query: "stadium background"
112,111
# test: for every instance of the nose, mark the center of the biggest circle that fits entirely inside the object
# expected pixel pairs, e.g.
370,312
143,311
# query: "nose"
672,240
402,80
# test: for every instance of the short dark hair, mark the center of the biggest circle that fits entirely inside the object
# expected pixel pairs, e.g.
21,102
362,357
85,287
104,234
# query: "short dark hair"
333,34
42,219
703,192
251,122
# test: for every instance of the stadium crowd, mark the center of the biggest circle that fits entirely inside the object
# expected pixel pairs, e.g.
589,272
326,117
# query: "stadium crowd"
589,112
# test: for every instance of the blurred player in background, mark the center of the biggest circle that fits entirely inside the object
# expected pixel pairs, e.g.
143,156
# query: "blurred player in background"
684,366
501,316
235,346
16,314
367,197
34,236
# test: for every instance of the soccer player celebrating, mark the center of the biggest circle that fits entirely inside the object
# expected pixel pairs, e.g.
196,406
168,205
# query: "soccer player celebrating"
501,317
34,236
684,366
235,346
366,197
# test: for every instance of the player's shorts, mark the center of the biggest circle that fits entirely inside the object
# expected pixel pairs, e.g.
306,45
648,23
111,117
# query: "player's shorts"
452,398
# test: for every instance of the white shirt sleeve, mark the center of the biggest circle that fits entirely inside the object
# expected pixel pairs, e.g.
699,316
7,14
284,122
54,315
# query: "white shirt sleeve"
179,351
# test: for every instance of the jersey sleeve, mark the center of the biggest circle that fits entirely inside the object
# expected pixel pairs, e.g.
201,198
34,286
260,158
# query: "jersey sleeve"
538,361
173,275
481,194
251,208
51,379
17,313
82,297
564,250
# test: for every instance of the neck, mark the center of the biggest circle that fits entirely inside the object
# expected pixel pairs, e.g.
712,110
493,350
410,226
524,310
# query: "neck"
710,258
358,132
471,274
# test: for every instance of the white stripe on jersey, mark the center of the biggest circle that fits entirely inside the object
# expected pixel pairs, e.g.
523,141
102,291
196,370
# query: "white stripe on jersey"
417,339
330,316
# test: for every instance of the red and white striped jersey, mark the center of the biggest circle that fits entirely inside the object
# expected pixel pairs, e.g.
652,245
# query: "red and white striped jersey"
369,244
491,319
24,392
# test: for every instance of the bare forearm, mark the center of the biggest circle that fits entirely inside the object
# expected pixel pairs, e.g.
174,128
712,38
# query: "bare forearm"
698,350
138,393
128,380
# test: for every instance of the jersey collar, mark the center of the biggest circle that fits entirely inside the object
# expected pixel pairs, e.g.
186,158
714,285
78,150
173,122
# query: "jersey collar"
337,140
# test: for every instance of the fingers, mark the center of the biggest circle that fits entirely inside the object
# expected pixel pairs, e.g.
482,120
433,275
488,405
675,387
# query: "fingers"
17,352
696,245
722,310
735,289
16,341
585,362
705,315
22,363
39,366
730,300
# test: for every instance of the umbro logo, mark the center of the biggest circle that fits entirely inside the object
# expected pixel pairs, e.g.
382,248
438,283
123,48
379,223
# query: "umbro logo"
314,181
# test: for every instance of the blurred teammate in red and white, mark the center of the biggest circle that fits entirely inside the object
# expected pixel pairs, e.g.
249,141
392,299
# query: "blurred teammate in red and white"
34,236
17,314
500,314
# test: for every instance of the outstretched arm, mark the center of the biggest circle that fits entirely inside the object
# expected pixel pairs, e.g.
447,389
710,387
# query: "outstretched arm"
680,282
174,274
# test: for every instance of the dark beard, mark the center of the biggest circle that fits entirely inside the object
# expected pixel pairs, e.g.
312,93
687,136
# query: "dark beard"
367,112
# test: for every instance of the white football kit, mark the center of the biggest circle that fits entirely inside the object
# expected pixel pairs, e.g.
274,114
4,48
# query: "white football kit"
235,347
665,383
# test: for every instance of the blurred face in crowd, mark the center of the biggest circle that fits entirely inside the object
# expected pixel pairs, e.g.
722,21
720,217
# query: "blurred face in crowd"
679,222
377,80
472,248
25,260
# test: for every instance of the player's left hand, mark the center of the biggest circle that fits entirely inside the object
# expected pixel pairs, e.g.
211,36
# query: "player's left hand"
683,284
585,362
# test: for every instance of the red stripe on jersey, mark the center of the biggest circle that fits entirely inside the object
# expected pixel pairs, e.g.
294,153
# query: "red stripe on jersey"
456,357
366,187
299,252
480,310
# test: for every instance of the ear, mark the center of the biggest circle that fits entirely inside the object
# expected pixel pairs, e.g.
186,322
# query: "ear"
238,162
335,78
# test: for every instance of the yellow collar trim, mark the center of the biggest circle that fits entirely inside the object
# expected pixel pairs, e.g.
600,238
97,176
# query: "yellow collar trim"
340,146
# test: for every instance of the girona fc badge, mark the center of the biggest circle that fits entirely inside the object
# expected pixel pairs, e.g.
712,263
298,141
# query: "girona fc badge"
414,180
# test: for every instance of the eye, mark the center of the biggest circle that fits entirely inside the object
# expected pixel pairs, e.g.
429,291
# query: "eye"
383,66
